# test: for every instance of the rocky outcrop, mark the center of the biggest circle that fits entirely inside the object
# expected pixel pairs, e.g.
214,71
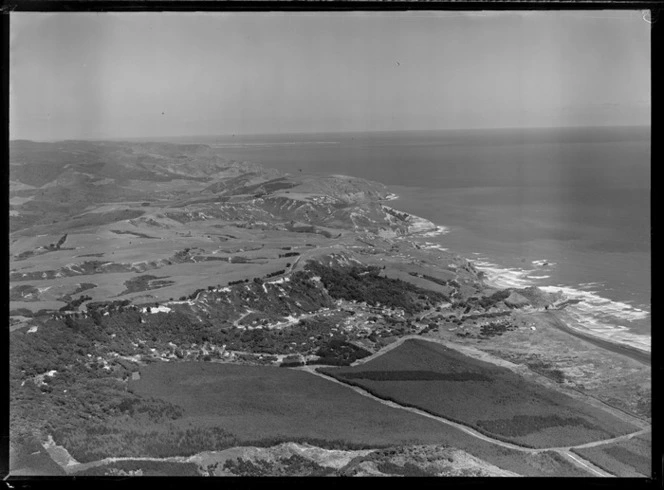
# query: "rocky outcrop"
516,300
538,298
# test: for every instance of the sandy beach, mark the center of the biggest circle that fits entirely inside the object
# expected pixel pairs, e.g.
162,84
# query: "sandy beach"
551,318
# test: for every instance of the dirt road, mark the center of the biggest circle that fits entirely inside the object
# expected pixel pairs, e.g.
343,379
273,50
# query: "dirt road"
565,451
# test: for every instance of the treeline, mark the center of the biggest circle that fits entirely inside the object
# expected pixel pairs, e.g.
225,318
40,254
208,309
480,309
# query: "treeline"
194,294
275,273
365,284
294,465
19,293
56,246
414,375
338,352
484,302
109,306
239,281
488,301
92,443
436,280
524,425
84,286
74,304
309,336
145,282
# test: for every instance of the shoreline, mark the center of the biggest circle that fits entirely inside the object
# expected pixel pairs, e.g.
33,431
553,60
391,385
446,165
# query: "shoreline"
416,225
495,278
551,318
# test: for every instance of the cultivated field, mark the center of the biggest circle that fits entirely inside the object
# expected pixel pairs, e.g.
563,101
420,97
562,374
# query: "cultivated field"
268,405
486,397
256,402
615,379
627,458
123,257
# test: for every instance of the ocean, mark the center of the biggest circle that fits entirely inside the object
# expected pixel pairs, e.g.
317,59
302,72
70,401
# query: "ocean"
562,209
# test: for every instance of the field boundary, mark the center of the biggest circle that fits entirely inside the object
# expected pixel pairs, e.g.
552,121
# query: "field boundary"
518,369
467,428
584,463
565,451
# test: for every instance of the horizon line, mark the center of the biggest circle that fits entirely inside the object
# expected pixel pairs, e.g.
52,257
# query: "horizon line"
298,133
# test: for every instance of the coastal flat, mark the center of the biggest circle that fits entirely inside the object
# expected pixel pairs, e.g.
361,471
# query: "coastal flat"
489,398
567,361
265,402
270,404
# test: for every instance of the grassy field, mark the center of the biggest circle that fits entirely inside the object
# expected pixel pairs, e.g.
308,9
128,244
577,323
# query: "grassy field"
116,244
266,405
31,459
489,398
630,458
613,378
268,402
184,277
395,272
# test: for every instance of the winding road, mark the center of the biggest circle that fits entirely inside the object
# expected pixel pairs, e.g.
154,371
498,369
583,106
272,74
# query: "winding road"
565,451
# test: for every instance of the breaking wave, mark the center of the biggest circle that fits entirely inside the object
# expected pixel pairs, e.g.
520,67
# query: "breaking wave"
440,230
504,277
593,314
434,246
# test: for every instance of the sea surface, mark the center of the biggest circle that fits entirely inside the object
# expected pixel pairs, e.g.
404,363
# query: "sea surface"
563,209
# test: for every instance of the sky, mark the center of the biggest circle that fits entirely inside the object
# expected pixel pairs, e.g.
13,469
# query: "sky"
137,75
